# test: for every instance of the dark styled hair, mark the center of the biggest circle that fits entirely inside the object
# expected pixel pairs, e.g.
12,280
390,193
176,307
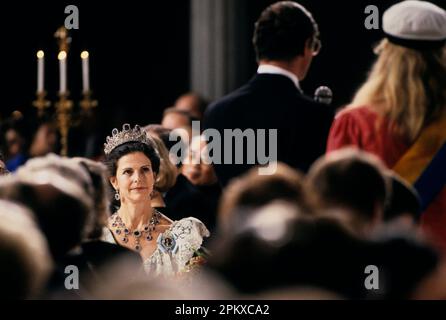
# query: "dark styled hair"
403,199
252,191
200,103
306,249
350,179
131,147
98,175
282,31
61,217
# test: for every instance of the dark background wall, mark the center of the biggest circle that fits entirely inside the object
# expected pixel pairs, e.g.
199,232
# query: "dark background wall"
139,55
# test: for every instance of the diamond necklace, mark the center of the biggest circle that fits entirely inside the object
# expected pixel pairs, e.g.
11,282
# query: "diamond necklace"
123,231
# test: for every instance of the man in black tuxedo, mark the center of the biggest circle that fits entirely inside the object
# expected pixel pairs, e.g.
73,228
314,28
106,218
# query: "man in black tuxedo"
285,41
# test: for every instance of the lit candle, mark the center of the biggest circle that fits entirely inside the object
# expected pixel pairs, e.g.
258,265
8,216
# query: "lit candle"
62,71
85,71
40,70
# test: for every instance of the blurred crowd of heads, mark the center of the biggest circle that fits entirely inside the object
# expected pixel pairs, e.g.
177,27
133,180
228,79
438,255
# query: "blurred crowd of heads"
285,235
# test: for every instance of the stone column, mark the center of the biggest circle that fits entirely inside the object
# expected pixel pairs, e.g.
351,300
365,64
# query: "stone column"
219,46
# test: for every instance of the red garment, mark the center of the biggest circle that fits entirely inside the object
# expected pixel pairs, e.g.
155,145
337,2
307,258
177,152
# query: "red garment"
364,128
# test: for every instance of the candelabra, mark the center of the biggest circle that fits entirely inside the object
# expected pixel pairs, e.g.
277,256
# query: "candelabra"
65,116
63,39
87,104
41,103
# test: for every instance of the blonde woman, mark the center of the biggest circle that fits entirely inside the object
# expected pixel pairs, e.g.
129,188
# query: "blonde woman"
399,113
167,175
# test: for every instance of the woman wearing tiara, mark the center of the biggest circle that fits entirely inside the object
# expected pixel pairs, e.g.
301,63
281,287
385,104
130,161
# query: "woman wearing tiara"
167,247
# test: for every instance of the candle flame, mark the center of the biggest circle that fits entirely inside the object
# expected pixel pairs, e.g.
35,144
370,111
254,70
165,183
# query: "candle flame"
40,54
62,55
84,54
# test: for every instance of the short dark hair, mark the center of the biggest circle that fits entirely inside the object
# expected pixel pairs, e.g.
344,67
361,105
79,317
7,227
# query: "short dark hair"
130,147
282,31
403,199
350,179
61,217
200,102
309,244
252,191
98,173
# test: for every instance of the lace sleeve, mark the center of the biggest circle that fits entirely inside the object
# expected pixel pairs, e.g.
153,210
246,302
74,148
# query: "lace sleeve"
189,233
107,236
176,247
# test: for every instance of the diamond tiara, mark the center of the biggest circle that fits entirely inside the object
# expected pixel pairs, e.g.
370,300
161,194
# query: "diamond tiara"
137,134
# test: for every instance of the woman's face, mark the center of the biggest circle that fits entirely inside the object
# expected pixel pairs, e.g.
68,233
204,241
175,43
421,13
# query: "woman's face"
134,177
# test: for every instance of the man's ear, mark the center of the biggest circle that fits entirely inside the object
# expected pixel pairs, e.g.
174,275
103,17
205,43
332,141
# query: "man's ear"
308,49
114,182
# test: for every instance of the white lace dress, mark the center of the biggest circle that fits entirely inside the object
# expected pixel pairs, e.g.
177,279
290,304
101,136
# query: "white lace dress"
175,246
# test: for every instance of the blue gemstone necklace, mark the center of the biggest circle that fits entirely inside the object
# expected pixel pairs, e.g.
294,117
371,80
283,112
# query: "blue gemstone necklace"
120,229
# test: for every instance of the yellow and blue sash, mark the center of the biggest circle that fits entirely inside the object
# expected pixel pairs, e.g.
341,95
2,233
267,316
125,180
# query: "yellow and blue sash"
424,163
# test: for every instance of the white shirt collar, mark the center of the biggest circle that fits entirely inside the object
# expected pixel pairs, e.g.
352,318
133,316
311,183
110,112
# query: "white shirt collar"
270,69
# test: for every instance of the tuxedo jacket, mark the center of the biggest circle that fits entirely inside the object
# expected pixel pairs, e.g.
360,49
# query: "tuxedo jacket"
272,101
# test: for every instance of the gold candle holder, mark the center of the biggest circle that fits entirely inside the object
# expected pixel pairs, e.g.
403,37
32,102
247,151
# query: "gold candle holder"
87,103
63,38
63,115
41,103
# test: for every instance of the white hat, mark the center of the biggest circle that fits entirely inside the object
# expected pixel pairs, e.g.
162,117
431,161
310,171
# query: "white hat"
415,24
